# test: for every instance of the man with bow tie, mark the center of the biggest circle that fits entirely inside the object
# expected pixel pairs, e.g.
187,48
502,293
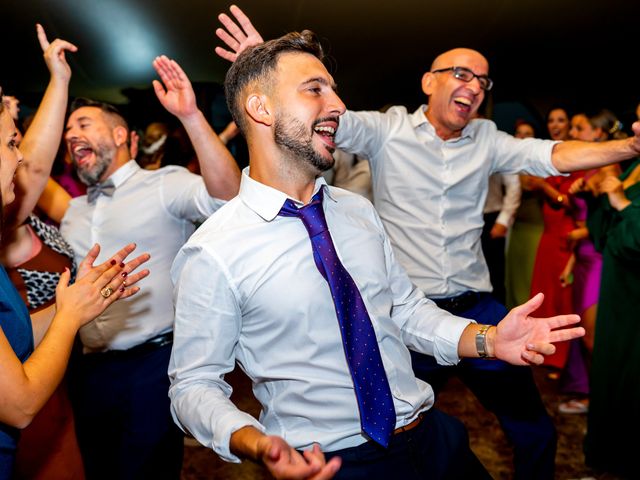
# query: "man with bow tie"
122,409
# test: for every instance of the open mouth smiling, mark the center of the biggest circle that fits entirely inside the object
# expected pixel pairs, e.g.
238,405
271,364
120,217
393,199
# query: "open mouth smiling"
327,133
80,152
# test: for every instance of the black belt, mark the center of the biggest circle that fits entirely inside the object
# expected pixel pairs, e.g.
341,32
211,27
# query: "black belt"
459,303
152,344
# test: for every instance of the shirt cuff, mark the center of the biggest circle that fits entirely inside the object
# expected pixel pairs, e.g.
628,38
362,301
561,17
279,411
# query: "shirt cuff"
446,348
230,425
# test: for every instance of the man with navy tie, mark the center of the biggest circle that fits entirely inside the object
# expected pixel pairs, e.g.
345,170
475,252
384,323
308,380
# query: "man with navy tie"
296,281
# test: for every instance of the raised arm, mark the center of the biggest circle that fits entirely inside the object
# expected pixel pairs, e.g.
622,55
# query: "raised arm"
40,143
54,200
237,36
574,155
217,166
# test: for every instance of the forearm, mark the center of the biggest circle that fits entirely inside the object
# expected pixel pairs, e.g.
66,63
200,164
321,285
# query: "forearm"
40,146
54,200
244,442
40,322
571,263
575,155
42,139
467,344
28,386
555,196
217,166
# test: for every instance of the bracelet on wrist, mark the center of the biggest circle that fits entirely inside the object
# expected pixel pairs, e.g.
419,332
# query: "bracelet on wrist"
481,341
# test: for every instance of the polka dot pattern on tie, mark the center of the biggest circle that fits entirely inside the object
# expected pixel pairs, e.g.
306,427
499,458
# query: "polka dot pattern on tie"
377,413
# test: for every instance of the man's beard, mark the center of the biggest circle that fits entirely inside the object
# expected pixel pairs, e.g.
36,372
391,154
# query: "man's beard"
292,135
91,176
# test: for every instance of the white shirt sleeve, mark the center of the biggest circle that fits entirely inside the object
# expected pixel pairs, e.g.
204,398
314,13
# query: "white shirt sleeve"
185,195
522,155
207,329
510,200
362,133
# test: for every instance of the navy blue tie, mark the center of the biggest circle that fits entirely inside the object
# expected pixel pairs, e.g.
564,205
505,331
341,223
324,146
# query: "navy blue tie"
377,413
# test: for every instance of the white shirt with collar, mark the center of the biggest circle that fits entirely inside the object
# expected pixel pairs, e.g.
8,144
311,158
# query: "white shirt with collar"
247,290
156,209
430,192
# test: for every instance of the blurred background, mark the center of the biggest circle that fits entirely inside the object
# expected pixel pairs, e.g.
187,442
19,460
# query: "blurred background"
540,51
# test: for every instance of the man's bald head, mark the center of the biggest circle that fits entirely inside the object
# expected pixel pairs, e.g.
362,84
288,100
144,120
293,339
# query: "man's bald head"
456,86
458,57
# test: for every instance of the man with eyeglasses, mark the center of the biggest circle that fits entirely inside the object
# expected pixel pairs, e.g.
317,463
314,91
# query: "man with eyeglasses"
430,172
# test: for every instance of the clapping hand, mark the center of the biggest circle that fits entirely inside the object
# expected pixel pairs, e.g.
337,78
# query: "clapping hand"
613,187
97,287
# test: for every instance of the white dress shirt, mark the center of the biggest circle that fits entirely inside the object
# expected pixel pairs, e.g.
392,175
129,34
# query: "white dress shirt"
247,290
503,200
156,209
430,192
352,173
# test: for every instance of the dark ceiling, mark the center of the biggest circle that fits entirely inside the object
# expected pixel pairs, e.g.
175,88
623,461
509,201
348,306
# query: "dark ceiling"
541,52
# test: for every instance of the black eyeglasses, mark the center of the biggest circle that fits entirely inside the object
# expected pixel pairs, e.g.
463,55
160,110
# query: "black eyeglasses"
466,75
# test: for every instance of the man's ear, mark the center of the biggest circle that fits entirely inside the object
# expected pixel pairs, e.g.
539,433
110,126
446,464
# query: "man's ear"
259,109
427,83
120,135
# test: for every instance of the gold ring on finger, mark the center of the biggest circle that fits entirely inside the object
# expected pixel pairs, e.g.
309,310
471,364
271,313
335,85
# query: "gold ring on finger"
106,291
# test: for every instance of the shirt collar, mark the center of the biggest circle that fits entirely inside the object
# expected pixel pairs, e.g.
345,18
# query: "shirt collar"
419,118
123,173
267,201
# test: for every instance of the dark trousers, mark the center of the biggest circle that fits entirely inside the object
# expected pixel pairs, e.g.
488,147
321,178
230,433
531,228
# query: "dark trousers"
493,250
124,426
508,391
438,448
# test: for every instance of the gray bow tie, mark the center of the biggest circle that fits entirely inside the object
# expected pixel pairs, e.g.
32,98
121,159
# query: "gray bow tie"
105,188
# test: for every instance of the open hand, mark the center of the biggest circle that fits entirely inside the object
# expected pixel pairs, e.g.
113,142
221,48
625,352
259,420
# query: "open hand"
99,286
237,37
175,93
127,269
522,339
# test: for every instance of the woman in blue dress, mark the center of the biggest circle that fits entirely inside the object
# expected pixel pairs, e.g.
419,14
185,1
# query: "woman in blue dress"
34,350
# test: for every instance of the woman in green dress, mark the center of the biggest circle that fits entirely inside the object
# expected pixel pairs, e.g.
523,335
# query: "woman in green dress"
614,412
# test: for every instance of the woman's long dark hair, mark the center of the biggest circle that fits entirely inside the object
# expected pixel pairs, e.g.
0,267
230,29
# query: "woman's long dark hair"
2,107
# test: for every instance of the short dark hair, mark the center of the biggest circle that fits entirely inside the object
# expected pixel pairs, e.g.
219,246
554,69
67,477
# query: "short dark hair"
1,100
111,111
257,63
